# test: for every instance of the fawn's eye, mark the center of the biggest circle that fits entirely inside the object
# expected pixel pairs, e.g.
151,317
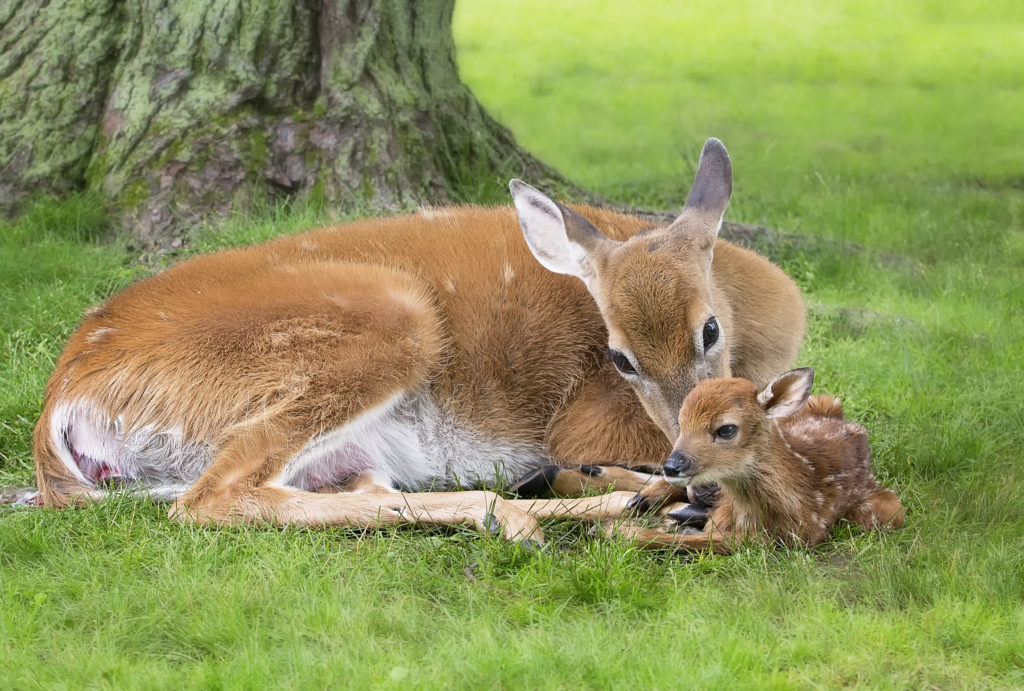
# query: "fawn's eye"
621,362
726,431
711,331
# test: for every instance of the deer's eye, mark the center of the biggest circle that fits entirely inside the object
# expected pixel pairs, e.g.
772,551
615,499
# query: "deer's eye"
711,332
726,431
621,362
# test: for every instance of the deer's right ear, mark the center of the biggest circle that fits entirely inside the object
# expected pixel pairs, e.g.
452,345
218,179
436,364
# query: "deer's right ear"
787,393
560,239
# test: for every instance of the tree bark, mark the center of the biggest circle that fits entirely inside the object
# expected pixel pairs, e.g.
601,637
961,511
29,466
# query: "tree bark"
177,111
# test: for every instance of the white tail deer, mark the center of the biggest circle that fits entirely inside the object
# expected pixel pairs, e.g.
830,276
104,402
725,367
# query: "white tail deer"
424,351
787,471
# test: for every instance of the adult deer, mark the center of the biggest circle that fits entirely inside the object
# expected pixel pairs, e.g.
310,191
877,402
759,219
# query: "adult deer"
424,351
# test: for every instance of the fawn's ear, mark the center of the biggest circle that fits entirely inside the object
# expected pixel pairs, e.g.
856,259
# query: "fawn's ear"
787,393
560,239
701,218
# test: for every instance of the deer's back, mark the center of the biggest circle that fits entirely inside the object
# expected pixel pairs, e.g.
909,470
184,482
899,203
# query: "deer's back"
839,456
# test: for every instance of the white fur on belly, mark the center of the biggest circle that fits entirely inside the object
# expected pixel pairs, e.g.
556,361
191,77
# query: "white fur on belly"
409,440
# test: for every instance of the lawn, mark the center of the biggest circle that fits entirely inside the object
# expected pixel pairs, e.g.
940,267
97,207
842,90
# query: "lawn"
894,126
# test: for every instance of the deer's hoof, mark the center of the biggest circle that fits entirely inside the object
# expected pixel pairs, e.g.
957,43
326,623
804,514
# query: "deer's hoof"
532,546
537,483
689,516
638,504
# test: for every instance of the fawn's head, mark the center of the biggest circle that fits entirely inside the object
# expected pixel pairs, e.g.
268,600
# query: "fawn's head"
653,290
724,425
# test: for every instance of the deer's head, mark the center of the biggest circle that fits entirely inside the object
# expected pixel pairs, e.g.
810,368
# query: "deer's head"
654,290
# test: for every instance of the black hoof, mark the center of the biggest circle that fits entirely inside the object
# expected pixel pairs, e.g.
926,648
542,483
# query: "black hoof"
537,484
591,470
638,504
703,496
690,516
531,546
491,524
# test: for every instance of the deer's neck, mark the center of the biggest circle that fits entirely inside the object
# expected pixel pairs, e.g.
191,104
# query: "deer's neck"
772,495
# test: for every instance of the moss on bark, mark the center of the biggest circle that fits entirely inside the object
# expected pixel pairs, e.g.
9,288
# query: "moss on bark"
176,111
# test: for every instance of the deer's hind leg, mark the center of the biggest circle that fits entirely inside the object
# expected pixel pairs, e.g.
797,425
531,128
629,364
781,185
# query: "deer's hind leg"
249,502
248,482
880,509
358,346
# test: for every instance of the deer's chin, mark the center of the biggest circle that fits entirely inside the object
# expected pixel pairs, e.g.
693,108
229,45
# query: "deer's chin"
680,481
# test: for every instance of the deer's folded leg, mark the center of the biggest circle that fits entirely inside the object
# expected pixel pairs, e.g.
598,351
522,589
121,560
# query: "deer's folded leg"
554,480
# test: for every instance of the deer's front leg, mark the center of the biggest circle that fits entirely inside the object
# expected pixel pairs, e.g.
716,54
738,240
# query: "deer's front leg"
575,481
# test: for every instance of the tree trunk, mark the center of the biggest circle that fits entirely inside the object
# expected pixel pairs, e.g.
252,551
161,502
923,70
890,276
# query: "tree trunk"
175,111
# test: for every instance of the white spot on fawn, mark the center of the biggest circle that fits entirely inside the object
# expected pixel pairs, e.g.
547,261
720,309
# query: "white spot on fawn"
507,273
449,285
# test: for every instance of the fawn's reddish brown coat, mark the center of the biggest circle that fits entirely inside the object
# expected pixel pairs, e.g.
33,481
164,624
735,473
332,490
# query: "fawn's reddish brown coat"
789,467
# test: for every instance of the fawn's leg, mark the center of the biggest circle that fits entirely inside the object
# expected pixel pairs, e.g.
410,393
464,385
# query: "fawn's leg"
718,542
656,495
651,538
880,509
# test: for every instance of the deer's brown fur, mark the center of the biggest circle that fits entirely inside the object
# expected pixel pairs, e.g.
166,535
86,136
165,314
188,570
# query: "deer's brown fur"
427,350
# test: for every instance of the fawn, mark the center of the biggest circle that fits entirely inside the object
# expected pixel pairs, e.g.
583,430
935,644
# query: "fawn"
419,352
788,466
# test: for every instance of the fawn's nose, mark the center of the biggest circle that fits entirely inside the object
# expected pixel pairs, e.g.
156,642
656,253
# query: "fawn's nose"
677,464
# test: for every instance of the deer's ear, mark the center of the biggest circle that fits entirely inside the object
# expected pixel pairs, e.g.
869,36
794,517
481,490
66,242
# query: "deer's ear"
709,196
560,239
787,393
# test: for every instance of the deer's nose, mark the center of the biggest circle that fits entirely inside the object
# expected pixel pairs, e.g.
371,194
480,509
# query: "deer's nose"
678,463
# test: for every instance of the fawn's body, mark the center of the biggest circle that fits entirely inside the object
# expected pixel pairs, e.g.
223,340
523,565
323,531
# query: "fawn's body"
789,467
425,351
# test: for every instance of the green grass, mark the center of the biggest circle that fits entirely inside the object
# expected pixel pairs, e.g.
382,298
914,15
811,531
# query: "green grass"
893,125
